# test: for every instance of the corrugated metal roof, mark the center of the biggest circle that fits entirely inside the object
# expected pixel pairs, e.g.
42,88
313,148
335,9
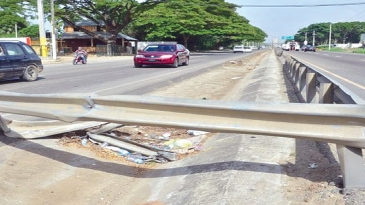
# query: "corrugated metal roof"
85,22
82,35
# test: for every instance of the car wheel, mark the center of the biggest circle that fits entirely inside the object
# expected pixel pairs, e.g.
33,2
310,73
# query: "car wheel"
176,63
186,63
30,73
137,65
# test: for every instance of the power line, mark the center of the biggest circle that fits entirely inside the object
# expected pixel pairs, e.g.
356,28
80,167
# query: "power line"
307,5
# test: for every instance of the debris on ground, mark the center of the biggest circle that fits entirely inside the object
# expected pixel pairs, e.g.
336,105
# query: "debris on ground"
139,144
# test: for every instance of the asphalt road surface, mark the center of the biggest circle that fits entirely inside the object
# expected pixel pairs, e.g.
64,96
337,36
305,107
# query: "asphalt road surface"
113,75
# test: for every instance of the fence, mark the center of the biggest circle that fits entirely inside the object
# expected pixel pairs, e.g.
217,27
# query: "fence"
114,50
314,87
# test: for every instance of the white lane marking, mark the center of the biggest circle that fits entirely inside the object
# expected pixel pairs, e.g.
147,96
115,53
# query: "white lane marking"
325,54
362,59
338,56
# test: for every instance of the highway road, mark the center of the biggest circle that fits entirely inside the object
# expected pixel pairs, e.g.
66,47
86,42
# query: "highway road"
348,69
114,75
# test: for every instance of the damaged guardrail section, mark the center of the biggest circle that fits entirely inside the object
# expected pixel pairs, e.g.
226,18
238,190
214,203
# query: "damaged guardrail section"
341,124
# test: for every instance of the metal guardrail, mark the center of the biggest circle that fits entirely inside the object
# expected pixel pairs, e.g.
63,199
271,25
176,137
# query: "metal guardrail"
314,87
342,124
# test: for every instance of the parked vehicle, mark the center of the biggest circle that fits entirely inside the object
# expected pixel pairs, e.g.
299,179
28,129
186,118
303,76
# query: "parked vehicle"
309,48
238,49
79,58
172,55
18,59
242,49
247,49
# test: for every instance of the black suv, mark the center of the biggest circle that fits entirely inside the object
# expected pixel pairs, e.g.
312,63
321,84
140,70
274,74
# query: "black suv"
18,59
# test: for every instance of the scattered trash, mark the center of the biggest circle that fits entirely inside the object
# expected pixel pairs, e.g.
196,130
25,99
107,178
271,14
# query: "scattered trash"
183,143
84,142
312,166
166,136
123,152
235,78
168,155
196,132
135,158
140,145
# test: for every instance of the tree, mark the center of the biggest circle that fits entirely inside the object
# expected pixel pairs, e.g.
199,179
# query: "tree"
343,32
30,31
110,15
211,20
12,13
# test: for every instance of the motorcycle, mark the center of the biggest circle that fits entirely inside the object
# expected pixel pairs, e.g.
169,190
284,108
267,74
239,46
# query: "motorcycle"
79,58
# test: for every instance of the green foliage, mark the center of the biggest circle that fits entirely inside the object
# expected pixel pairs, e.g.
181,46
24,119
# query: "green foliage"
110,15
12,13
342,32
210,21
30,31
359,50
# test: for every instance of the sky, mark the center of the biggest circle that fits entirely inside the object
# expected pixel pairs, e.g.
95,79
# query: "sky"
286,21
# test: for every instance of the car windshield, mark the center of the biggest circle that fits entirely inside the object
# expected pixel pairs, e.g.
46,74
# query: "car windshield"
159,48
238,47
247,47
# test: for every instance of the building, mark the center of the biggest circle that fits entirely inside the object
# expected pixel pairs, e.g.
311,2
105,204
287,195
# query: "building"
71,39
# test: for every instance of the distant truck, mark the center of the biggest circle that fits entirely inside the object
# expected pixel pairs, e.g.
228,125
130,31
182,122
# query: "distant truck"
291,46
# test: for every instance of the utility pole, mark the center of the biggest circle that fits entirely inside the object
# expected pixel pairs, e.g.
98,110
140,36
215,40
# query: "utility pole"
329,38
54,45
42,33
314,37
16,30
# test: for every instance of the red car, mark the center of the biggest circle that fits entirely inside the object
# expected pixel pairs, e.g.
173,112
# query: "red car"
172,55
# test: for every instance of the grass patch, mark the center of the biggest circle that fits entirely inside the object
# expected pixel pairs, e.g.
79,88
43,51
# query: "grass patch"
336,49
359,50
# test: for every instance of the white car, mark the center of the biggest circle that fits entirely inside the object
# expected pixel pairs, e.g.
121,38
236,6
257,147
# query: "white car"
242,49
247,49
238,49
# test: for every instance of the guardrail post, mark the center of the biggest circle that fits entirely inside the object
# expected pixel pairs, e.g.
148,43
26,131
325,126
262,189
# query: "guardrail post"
291,68
311,88
296,76
326,93
294,70
352,166
302,82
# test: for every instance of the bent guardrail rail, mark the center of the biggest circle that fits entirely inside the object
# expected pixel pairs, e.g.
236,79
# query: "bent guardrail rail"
342,124
313,86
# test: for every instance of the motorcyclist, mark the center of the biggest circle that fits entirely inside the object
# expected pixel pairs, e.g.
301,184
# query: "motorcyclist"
81,52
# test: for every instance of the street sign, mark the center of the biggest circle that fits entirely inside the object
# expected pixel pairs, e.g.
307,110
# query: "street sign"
287,37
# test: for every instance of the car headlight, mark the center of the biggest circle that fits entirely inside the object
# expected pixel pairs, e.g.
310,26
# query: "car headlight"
139,56
166,56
